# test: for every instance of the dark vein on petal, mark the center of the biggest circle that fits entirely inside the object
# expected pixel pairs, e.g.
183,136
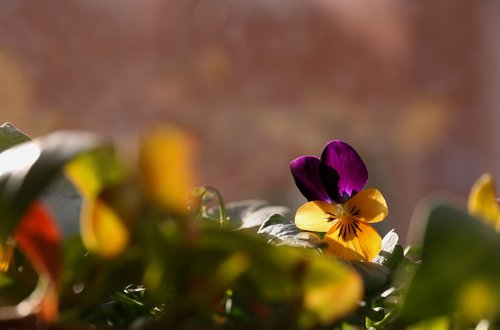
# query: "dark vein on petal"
348,229
331,217
355,223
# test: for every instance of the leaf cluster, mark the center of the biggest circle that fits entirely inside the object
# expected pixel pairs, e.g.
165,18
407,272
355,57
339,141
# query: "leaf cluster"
89,240
136,260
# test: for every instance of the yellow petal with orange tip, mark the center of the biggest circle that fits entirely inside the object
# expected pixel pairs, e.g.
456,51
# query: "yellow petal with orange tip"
101,229
364,243
38,237
482,201
316,216
166,164
368,205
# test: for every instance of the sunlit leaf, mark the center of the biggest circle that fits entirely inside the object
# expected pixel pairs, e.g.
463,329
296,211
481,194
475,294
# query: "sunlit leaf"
392,253
282,231
166,164
252,213
28,168
10,136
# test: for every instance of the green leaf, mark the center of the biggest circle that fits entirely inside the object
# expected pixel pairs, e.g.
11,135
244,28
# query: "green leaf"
286,274
261,277
10,136
250,213
458,253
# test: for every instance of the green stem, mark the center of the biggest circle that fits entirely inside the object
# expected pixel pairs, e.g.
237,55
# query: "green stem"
118,296
220,204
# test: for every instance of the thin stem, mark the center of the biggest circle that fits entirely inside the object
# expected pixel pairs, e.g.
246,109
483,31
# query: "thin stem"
220,204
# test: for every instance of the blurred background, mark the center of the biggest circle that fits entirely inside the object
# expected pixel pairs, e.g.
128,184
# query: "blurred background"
414,86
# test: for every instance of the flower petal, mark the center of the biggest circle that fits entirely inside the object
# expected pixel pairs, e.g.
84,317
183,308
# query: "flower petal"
369,204
342,171
482,201
166,160
305,172
365,245
102,230
316,216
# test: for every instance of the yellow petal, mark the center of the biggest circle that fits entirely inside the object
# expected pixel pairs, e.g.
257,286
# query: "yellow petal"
315,216
369,204
166,161
364,245
102,230
482,200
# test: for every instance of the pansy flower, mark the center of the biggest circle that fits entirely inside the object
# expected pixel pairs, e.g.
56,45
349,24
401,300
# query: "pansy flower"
483,202
338,205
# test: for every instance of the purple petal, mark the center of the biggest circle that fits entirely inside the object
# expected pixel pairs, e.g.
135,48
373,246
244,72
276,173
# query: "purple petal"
342,171
305,171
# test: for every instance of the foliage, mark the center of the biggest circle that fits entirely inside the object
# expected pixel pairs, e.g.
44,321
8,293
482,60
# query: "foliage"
147,255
